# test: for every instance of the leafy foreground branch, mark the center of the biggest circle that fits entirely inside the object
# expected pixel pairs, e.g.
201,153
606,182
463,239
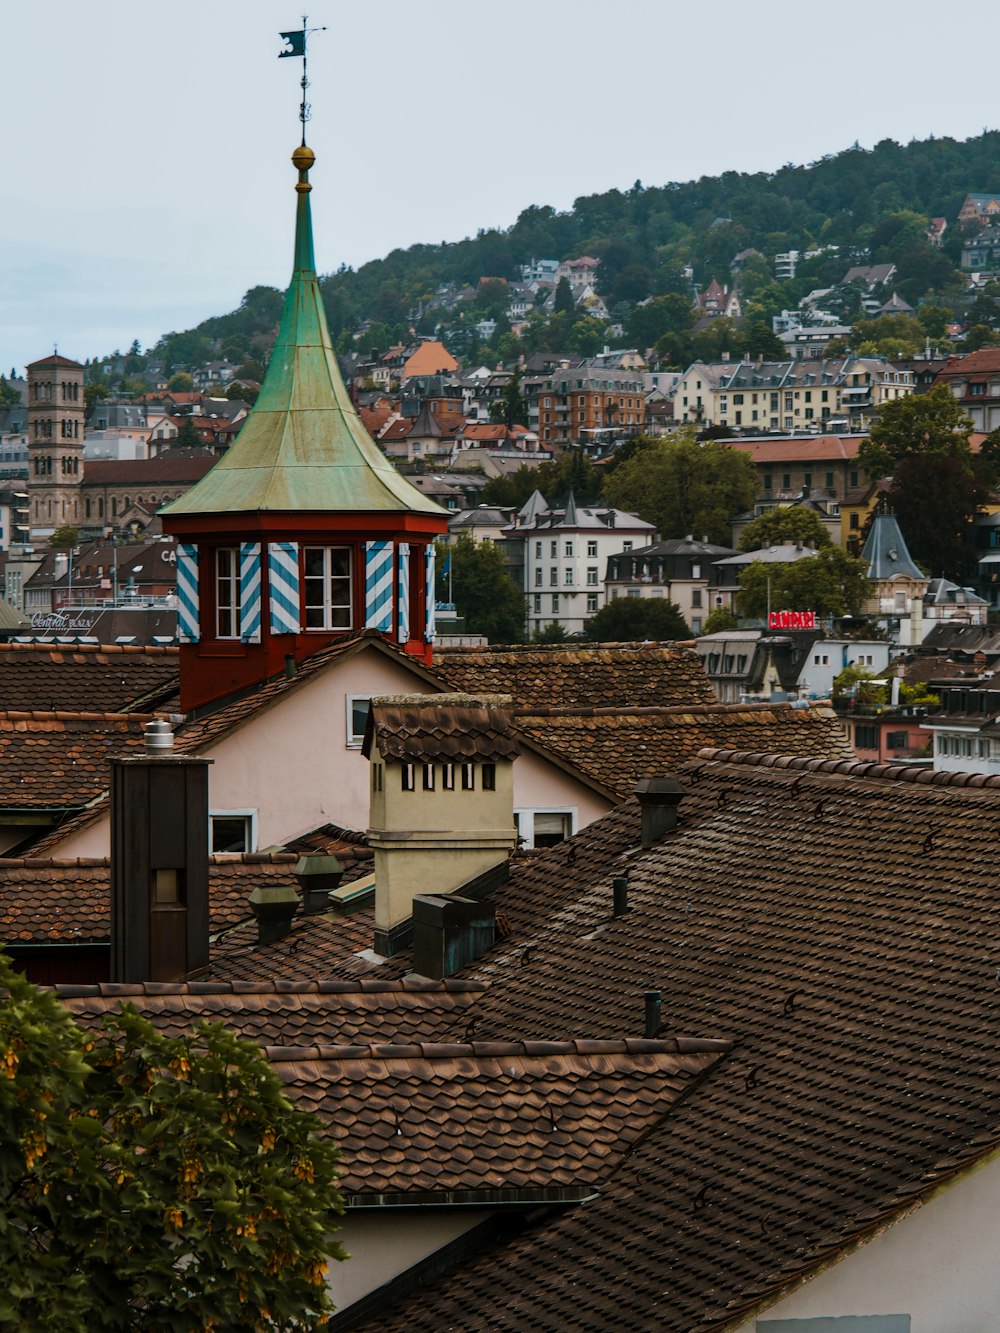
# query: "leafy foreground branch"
154,1182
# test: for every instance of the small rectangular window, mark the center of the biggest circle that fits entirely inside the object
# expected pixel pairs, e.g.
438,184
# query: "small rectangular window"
448,777
357,718
468,777
407,777
592,550
231,831
568,576
326,584
428,777
489,777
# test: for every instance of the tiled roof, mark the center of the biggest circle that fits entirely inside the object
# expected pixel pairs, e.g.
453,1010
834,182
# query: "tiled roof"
107,678
69,901
835,921
293,1013
170,465
620,674
619,746
813,448
471,1118
324,945
430,728
59,761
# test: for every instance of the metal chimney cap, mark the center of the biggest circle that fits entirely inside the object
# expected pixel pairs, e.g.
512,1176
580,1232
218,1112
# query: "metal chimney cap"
158,736
660,791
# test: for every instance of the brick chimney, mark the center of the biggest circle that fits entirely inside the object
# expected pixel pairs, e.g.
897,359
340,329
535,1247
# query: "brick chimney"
442,800
159,862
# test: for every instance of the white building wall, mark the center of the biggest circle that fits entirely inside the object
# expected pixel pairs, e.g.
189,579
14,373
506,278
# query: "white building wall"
937,1265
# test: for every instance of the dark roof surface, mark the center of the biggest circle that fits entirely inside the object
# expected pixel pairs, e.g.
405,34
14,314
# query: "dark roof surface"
812,913
57,761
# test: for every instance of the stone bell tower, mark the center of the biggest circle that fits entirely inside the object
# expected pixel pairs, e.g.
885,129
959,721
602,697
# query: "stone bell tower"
55,444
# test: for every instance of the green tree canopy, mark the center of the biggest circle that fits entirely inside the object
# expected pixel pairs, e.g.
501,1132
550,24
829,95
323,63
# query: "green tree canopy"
684,486
64,537
154,1182
181,382
485,595
790,523
720,618
831,583
9,396
628,619
563,304
187,436
938,484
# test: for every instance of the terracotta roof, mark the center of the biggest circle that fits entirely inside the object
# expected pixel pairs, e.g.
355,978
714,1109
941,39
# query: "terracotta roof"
293,1013
835,921
59,761
590,675
316,946
69,901
428,728
619,746
814,448
108,678
479,1119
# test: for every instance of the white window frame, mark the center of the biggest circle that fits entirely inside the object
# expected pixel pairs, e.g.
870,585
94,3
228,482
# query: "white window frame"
524,820
331,611
227,577
355,740
250,816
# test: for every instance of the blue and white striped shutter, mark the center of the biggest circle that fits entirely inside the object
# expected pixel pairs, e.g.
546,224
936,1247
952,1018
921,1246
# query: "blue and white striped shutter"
430,593
378,586
250,592
188,629
403,602
283,587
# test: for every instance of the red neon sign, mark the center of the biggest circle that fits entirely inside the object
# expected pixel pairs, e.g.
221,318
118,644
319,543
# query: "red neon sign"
791,620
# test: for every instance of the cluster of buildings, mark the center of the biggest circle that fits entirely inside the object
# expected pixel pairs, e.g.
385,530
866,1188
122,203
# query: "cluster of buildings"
627,1007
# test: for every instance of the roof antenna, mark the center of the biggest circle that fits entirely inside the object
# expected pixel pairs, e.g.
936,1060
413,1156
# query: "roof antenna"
295,45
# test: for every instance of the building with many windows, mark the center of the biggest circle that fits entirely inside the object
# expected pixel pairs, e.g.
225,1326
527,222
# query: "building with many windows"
560,556
55,443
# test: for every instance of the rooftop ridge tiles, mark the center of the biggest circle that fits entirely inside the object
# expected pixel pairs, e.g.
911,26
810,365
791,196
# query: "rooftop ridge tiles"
552,649
62,715
54,862
860,768
93,649
329,986
526,711
489,1050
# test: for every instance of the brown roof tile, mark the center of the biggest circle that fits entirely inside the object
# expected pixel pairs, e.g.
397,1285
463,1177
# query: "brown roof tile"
618,746
587,676
470,1118
428,728
69,901
106,678
58,761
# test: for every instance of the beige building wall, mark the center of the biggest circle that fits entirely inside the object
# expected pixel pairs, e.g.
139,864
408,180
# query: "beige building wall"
937,1265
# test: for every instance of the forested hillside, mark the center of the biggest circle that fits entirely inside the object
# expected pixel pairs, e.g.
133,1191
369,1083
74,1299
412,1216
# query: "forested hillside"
873,205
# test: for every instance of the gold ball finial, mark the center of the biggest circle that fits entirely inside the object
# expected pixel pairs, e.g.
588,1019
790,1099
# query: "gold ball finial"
303,158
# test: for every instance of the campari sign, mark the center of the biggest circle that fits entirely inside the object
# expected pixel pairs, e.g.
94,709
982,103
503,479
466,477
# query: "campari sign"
791,620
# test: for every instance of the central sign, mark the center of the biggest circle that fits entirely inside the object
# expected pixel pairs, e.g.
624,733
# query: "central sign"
791,620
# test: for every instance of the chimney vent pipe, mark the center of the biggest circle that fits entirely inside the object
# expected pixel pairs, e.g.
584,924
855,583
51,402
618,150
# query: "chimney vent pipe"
158,737
273,907
654,1007
658,799
619,887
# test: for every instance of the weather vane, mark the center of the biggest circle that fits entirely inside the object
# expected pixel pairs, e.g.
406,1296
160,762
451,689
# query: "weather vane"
295,45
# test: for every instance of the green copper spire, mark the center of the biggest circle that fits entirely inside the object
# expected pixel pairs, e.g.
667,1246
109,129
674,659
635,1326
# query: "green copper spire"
303,447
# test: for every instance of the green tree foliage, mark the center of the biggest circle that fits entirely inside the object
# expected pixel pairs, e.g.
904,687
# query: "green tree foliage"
187,436
563,303
648,323
684,486
153,1182
485,595
63,538
181,382
510,408
552,633
571,471
871,691
630,619
790,523
719,619
831,582
9,396
938,484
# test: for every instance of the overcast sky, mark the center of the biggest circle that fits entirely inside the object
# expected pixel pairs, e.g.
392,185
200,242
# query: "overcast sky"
146,181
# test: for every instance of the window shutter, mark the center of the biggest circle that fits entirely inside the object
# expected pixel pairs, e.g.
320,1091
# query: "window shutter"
250,592
403,590
429,555
378,586
283,587
188,629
